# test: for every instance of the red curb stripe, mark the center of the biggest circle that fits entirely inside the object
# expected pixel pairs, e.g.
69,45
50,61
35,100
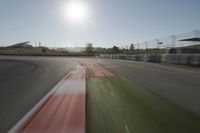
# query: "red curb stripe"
98,70
64,111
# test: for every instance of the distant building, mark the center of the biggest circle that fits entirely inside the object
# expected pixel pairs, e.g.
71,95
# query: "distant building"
21,45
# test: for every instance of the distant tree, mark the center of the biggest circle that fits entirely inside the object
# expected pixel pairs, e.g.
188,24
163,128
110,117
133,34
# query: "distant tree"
109,50
89,48
99,50
44,50
115,50
131,49
104,50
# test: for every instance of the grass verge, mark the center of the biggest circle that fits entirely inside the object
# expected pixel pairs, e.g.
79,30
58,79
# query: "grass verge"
116,105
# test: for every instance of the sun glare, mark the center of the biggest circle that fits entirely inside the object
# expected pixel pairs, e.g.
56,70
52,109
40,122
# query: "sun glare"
76,11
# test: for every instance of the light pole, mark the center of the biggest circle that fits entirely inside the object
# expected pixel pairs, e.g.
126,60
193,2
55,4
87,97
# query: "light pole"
146,43
173,40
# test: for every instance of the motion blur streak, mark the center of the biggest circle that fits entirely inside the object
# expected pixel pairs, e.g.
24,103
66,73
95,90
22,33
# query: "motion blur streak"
112,100
116,105
65,109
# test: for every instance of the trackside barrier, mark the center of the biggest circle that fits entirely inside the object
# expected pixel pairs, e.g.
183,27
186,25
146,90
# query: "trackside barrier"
152,58
181,59
194,60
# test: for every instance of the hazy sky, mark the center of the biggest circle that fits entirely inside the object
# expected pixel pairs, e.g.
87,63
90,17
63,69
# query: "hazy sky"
110,22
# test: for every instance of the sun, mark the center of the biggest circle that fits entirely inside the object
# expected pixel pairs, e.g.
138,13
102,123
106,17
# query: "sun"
76,11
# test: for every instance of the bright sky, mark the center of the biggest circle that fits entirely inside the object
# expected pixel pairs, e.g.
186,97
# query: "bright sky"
102,22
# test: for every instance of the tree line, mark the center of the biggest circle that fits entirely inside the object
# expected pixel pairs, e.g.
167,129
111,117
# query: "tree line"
114,50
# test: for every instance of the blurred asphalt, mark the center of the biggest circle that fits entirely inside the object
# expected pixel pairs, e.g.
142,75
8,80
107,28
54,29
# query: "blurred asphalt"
25,80
179,85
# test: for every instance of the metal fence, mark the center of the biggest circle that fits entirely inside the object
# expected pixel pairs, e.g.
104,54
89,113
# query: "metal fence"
186,39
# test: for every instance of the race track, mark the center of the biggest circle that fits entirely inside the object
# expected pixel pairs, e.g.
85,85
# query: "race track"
25,80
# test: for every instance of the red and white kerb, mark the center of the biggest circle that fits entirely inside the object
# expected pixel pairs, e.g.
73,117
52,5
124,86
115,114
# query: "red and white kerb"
60,111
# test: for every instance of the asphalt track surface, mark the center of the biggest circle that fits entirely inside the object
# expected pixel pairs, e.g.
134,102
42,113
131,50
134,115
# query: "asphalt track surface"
62,110
179,85
25,80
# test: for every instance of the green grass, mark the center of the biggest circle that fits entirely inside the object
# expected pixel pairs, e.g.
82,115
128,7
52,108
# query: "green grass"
116,105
